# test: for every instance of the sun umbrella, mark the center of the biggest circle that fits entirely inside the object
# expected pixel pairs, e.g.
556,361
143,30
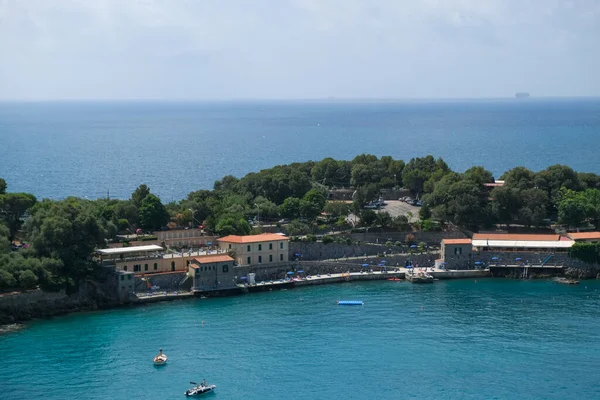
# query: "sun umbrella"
409,266
297,255
243,278
494,258
300,271
290,273
413,246
518,259
478,263
365,265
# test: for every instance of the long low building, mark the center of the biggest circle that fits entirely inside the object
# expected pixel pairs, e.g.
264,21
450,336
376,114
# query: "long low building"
520,242
485,248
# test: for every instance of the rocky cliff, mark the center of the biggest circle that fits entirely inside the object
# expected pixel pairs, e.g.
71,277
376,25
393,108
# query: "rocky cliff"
19,307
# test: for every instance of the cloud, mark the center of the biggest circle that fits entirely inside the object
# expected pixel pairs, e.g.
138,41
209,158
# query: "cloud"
297,48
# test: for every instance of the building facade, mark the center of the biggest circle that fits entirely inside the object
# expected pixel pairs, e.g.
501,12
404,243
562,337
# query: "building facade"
185,238
212,272
457,253
265,249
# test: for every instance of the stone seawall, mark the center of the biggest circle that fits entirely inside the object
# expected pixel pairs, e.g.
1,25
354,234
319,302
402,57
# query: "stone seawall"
312,251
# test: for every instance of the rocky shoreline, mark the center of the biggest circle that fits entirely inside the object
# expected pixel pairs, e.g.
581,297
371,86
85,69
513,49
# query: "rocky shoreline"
17,308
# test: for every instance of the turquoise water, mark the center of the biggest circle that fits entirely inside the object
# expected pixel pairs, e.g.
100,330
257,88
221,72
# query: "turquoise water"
88,149
485,339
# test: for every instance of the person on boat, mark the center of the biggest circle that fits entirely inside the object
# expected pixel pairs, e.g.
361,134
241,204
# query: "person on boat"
203,382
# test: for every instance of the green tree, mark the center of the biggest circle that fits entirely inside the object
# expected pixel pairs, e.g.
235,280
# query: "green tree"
153,214
420,170
13,206
296,228
519,178
479,175
232,225
2,186
506,203
69,231
27,279
368,217
572,211
400,223
7,280
312,204
4,241
138,196
383,219
290,208
533,206
337,209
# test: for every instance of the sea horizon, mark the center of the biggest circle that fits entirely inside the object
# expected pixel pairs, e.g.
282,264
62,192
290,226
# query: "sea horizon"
91,148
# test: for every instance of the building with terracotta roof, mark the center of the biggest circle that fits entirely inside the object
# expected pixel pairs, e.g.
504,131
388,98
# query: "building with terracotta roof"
521,242
212,272
584,236
456,253
263,249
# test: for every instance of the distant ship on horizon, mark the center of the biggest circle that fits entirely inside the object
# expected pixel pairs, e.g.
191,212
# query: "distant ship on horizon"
521,95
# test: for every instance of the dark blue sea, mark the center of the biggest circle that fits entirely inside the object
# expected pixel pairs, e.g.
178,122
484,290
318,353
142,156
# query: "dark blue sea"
90,148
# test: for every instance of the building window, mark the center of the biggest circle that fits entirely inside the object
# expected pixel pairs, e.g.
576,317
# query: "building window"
270,246
249,260
259,259
145,267
225,268
281,257
259,247
281,245
229,246
187,263
172,266
270,257
122,277
248,248
155,266
125,268
136,268
128,277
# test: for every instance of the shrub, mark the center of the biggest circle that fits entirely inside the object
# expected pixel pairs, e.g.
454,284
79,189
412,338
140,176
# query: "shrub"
27,279
7,280
327,239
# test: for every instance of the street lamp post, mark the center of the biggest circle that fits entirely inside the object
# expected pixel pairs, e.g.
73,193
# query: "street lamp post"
394,181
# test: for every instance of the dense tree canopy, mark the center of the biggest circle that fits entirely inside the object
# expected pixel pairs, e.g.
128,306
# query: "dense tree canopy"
62,234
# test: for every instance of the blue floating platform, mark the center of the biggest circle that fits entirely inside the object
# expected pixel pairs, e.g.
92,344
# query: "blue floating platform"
350,302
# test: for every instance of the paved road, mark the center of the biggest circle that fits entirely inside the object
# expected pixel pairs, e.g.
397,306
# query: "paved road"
397,207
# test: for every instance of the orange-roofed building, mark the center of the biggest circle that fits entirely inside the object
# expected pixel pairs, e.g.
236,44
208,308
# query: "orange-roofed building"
263,249
456,253
212,272
584,236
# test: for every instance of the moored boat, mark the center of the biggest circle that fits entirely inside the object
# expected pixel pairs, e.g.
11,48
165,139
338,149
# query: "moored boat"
200,389
161,358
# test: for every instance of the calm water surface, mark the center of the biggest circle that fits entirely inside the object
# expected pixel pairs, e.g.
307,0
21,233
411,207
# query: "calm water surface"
490,339
88,149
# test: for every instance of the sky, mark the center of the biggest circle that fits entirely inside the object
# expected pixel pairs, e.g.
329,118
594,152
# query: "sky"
297,49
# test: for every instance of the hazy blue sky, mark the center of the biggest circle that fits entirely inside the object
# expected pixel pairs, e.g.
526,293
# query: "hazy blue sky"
205,49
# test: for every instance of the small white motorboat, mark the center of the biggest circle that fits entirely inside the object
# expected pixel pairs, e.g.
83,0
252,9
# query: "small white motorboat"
200,389
161,358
